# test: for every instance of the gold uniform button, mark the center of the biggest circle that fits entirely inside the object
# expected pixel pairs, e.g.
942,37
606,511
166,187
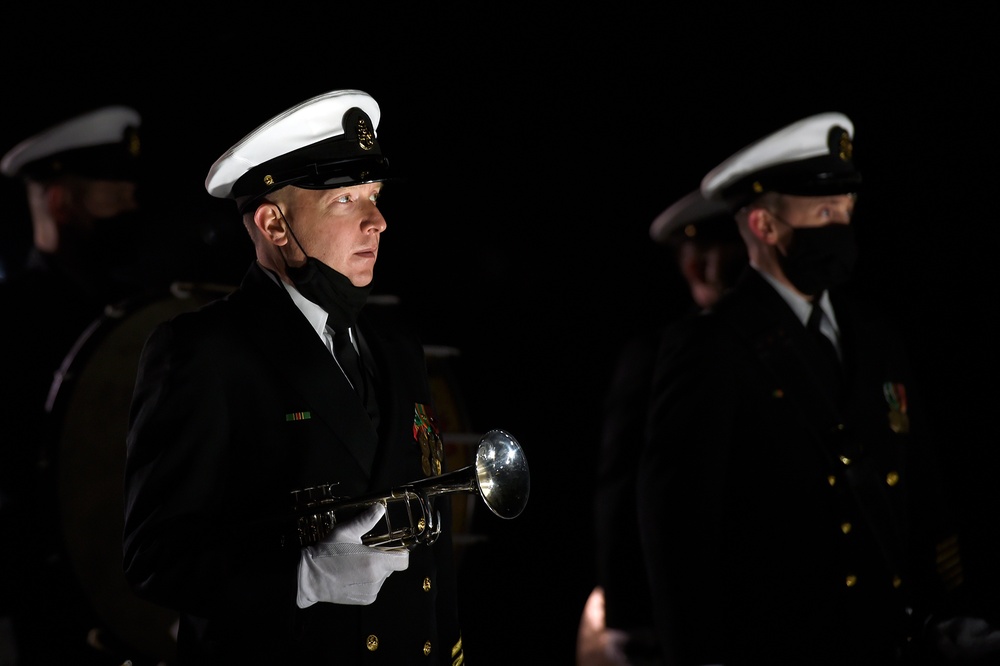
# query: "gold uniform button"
372,642
845,460
896,582
892,478
427,648
845,528
427,584
832,480
850,580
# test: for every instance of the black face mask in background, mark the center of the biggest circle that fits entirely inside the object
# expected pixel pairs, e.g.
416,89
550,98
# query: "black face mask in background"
818,258
105,260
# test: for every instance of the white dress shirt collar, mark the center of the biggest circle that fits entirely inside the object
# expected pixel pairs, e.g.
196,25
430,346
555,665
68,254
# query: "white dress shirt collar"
801,307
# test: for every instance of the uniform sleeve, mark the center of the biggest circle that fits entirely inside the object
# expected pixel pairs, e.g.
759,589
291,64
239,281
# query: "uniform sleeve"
178,551
679,490
619,556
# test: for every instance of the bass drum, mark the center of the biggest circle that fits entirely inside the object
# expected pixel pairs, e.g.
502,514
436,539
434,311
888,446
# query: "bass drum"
89,401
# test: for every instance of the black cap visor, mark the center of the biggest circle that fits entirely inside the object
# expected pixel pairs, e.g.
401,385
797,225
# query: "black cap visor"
321,166
819,176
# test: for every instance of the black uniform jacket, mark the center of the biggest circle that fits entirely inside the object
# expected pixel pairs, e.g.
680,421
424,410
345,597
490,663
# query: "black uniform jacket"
235,406
620,565
783,523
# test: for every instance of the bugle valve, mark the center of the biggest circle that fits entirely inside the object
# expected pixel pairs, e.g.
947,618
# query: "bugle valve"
499,475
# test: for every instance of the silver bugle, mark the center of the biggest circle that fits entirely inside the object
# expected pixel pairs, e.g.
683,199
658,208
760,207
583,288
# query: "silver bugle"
499,475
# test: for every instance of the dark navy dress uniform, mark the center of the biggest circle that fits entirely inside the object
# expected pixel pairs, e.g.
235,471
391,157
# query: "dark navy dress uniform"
240,410
206,473
784,520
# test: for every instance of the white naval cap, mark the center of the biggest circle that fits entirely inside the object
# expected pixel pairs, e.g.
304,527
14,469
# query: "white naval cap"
810,157
324,142
103,143
694,217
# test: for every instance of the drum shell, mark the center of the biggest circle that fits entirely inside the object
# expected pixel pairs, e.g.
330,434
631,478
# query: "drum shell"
89,404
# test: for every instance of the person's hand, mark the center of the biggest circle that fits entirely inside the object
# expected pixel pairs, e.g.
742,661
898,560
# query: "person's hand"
341,570
966,638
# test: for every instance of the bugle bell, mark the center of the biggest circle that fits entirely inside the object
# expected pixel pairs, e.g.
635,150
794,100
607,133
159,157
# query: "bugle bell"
499,475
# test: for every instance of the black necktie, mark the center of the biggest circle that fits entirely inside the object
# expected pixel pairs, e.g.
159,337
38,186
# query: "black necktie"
347,357
350,361
831,367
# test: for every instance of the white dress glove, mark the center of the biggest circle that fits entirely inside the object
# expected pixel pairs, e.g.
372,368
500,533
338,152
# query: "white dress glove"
341,570
966,637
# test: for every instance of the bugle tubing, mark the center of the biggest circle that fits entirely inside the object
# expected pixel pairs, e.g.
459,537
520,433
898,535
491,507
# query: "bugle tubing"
499,475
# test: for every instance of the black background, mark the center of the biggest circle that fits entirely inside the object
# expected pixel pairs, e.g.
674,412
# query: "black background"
538,146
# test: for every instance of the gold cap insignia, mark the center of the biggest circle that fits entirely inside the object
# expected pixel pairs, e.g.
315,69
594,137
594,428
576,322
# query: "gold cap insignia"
366,138
840,144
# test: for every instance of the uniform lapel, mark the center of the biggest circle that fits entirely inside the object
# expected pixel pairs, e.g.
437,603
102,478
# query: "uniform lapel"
778,339
274,320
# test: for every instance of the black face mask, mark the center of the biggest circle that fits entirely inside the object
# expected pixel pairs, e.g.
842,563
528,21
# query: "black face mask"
818,258
109,239
104,259
330,290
